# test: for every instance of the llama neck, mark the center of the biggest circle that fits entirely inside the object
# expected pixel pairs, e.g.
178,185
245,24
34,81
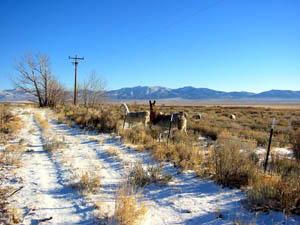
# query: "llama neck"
125,107
153,114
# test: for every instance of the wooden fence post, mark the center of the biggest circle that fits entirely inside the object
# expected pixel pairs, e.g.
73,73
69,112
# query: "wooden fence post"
269,145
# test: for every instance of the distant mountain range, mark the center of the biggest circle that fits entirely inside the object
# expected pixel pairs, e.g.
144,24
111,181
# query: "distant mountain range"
13,95
191,93
181,94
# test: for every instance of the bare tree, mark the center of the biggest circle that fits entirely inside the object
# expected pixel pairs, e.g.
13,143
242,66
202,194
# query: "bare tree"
57,93
34,76
93,90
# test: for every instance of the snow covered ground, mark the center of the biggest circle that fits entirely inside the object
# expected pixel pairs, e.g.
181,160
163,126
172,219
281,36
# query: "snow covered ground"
47,193
285,152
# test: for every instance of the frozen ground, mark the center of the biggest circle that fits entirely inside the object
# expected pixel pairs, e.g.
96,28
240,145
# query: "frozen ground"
47,193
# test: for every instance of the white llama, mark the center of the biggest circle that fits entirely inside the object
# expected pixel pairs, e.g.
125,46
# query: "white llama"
135,117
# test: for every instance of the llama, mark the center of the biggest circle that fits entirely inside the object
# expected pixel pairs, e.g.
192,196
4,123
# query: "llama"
135,117
169,121
232,116
197,116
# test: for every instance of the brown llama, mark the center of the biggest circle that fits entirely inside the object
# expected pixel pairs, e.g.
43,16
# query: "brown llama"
167,121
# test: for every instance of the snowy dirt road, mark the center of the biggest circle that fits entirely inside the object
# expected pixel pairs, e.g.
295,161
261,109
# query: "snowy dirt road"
45,194
48,195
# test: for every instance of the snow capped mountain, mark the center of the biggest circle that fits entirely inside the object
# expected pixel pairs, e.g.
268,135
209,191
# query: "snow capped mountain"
279,93
14,95
141,92
191,93
184,93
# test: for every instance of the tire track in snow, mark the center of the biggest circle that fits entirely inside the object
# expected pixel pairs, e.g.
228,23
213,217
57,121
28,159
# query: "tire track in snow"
86,154
44,190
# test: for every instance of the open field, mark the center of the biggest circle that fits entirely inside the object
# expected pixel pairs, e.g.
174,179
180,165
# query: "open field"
78,166
183,102
252,122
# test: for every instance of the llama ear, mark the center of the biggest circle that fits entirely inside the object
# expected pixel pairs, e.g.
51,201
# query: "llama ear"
154,102
150,102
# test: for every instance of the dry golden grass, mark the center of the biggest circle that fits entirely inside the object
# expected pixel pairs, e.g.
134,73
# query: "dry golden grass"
22,141
9,124
160,152
284,166
12,155
153,174
10,214
41,122
140,148
52,145
5,115
185,156
137,136
281,190
295,140
274,192
102,119
252,122
31,131
87,183
232,167
112,151
61,118
97,139
128,209
26,113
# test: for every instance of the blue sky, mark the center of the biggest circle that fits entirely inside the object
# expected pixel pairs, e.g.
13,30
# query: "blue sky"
227,45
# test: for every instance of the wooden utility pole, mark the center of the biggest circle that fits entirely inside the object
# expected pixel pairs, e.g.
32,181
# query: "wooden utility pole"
75,83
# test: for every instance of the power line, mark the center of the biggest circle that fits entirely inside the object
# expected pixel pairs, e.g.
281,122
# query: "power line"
184,18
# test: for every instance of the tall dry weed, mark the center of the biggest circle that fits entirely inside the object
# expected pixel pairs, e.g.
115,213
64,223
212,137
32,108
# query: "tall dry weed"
274,192
104,120
152,174
12,155
185,156
10,214
128,209
87,183
295,140
10,124
42,123
232,167
52,145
